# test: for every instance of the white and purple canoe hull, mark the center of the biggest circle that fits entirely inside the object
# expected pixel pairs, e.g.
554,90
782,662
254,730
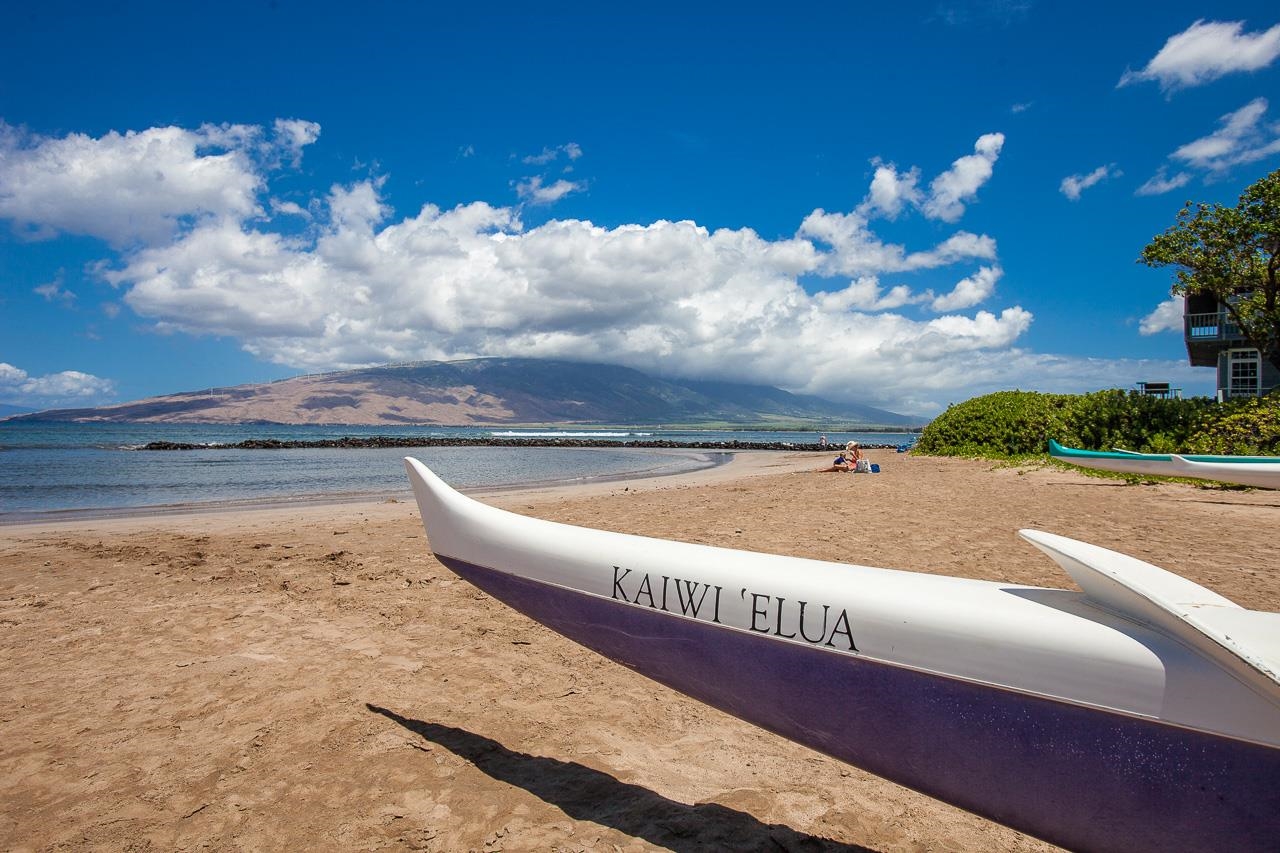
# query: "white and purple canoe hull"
1143,714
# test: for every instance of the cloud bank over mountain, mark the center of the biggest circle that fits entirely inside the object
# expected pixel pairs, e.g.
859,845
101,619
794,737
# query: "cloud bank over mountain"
200,245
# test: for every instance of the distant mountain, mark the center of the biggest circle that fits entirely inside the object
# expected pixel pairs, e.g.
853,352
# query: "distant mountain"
489,391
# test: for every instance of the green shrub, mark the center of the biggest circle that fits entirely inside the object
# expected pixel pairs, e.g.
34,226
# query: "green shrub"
1003,424
1010,424
1105,420
1242,427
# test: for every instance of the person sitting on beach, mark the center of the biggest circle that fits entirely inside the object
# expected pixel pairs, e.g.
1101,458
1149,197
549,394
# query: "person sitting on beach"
846,461
858,463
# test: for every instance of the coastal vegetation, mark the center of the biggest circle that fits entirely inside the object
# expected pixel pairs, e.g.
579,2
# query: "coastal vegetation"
1016,425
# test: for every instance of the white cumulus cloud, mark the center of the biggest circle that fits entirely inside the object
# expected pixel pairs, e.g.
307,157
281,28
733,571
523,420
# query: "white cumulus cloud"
892,190
1166,317
534,191
1244,137
856,250
56,290
1073,185
472,281
540,189
66,388
571,151
949,192
1162,182
867,294
1206,51
139,186
969,291
291,136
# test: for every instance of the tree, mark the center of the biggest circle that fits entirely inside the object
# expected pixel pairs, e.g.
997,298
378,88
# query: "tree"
1232,253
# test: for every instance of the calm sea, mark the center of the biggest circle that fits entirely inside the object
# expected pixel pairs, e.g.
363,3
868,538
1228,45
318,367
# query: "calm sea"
50,468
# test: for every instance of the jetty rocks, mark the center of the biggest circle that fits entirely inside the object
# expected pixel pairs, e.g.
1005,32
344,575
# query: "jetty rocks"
386,441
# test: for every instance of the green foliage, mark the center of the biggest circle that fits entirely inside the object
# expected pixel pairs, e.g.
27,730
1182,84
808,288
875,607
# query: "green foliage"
1010,424
999,425
1105,420
1232,253
1242,427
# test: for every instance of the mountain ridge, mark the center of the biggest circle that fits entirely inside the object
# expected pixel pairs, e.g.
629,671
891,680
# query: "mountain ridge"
487,391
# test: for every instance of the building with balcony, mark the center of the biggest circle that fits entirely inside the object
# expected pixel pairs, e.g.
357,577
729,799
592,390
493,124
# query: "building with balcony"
1214,341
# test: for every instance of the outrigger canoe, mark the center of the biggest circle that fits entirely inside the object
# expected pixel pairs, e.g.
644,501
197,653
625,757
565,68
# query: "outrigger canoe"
1140,714
1262,471
1243,471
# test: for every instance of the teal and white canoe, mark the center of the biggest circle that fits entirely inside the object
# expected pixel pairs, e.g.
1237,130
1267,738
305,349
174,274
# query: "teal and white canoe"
1260,471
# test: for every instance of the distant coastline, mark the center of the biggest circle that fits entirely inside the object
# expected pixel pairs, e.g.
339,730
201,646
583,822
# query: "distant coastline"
67,466
494,391
388,441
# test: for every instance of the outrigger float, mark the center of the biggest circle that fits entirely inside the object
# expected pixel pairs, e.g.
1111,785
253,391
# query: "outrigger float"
1261,471
1142,714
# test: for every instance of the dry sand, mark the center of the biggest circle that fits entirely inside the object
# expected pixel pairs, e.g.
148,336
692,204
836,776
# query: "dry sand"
312,679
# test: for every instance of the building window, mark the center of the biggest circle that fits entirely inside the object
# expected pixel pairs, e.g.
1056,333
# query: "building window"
1243,368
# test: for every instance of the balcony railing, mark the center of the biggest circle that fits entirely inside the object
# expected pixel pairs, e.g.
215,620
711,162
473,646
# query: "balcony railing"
1210,327
1237,393
1159,389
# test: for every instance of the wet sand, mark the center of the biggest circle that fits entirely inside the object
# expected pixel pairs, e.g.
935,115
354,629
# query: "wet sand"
310,677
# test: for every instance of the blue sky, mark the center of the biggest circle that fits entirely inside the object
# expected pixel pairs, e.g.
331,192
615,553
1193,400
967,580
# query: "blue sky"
903,207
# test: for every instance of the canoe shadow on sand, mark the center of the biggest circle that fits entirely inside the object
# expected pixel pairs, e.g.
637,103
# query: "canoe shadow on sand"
586,794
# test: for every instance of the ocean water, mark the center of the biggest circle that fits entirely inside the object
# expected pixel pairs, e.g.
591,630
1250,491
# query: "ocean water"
52,468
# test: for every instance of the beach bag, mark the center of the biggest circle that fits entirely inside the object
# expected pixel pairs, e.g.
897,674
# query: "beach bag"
875,469
862,467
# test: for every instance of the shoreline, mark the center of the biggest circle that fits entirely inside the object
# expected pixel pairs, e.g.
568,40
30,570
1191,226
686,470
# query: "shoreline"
721,466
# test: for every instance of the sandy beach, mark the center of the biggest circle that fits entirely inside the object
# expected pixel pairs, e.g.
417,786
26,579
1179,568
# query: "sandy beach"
310,678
